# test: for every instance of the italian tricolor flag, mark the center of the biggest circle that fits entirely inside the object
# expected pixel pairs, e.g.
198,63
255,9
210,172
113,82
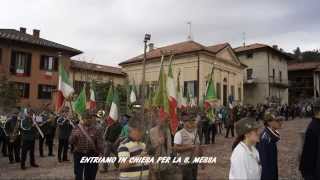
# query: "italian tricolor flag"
114,109
161,96
79,105
210,95
65,88
172,96
92,104
133,97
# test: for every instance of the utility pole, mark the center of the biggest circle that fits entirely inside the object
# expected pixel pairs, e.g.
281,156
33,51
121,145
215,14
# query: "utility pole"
147,38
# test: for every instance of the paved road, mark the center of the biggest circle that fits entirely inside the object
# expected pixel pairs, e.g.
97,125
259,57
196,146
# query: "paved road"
289,147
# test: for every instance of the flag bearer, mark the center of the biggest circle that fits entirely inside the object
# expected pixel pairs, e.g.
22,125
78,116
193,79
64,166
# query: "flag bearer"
87,141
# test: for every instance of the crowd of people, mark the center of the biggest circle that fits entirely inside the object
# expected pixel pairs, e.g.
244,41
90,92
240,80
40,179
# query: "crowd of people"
254,154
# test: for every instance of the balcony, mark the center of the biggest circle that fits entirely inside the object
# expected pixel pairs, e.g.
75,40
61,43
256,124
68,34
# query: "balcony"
278,83
250,80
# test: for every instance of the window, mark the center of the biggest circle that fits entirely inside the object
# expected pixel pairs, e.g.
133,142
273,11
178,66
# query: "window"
249,55
20,63
239,93
191,88
273,74
23,89
249,74
280,76
218,90
49,63
45,91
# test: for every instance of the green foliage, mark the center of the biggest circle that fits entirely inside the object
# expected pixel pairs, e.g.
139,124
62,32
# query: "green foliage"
313,55
9,95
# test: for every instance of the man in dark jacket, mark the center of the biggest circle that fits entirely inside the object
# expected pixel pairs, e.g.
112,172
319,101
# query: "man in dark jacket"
65,129
12,127
310,157
267,146
28,136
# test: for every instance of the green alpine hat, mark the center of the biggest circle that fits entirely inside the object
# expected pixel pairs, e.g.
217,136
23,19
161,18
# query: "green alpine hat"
246,125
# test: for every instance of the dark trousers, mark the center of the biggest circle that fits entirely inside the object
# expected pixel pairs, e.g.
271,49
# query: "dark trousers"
49,141
63,149
189,172
211,134
230,128
41,141
108,150
14,150
4,142
27,146
86,171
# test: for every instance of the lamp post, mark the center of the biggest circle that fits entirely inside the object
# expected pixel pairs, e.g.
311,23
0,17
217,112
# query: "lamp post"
147,38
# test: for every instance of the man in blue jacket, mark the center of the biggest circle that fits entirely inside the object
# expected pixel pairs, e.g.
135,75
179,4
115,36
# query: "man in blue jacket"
267,146
310,157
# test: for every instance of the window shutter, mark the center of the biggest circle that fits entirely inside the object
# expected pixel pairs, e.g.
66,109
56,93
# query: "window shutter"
28,65
26,90
13,62
42,62
185,88
196,89
55,64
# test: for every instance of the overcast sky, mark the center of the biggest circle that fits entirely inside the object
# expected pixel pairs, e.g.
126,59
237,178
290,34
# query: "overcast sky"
111,31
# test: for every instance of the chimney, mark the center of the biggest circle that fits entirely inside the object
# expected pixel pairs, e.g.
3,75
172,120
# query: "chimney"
23,30
151,46
275,46
36,33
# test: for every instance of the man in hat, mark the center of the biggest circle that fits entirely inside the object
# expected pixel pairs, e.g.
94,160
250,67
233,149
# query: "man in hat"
133,147
187,145
28,137
12,127
87,141
310,157
267,146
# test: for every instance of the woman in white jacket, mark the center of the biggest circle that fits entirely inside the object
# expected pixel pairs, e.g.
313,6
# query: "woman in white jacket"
245,161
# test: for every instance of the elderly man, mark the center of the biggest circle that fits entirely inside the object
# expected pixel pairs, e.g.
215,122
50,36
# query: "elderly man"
87,142
310,158
160,145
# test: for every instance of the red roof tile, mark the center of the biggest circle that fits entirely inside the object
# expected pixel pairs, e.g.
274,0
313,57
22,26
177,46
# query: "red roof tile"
96,67
178,48
303,66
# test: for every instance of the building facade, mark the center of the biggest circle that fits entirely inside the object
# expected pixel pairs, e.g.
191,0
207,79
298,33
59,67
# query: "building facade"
84,72
31,62
304,78
194,62
266,75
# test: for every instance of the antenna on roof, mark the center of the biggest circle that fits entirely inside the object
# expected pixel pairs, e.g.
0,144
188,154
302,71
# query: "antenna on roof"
244,38
189,30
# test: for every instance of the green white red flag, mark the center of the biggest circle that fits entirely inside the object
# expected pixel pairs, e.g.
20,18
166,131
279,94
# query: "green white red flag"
109,96
133,97
210,95
114,109
79,105
92,104
172,96
161,96
65,88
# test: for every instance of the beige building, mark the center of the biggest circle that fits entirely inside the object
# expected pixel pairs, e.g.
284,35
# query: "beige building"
195,62
81,72
266,75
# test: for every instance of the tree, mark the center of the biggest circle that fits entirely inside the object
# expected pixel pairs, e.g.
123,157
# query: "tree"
297,53
9,94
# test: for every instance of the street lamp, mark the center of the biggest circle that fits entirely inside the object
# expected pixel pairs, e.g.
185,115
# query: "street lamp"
147,38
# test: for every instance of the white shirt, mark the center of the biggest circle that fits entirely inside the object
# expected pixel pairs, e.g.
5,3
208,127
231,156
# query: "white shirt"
178,137
245,164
